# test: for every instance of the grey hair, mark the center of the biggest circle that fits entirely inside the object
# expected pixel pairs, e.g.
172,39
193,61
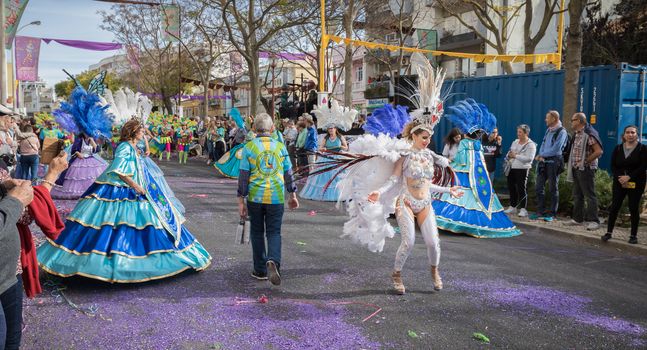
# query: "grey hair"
263,123
525,128
554,114
581,117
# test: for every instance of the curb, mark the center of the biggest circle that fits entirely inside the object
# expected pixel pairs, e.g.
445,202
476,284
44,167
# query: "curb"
613,243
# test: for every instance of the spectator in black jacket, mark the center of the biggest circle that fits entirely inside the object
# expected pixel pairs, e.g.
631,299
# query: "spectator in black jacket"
491,151
629,167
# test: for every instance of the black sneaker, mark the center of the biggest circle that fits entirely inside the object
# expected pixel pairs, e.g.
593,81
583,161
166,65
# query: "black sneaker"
606,237
259,276
633,240
273,272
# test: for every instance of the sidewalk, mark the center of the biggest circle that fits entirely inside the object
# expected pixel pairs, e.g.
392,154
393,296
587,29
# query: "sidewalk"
579,232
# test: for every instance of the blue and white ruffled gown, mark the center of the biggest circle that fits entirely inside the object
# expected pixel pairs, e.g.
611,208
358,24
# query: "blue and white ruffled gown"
478,212
315,187
115,234
158,175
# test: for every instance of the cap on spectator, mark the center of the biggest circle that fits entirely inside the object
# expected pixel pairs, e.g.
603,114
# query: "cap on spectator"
4,110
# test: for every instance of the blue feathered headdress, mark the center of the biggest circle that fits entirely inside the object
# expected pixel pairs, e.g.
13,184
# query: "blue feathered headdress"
470,116
235,115
387,120
84,113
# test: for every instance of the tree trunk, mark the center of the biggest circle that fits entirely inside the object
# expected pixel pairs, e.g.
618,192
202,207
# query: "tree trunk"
348,59
205,94
167,103
529,48
255,89
573,60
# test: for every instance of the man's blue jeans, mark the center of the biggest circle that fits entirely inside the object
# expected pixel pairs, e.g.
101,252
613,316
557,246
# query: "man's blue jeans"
11,317
265,222
547,171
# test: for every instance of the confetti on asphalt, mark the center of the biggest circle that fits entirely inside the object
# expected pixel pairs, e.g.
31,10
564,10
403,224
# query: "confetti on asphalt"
412,334
481,337
301,243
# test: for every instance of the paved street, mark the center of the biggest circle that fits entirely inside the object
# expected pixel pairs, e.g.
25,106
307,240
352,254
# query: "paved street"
533,291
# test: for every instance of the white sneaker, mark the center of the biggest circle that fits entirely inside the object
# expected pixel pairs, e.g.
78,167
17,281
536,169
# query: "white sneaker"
523,213
572,222
592,226
510,210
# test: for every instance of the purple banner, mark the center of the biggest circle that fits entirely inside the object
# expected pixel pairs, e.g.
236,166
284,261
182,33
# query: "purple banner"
284,55
188,97
27,50
86,45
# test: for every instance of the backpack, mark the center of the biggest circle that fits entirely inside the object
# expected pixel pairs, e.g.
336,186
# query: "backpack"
566,152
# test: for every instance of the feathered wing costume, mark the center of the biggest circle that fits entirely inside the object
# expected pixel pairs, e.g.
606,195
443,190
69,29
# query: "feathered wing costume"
478,213
228,164
323,186
368,225
85,116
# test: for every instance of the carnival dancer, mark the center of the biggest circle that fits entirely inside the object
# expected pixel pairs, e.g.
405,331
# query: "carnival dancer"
184,139
405,174
84,167
323,186
124,229
228,164
166,139
479,213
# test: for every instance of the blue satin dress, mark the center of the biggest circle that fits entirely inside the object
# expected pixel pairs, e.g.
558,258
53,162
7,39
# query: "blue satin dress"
115,234
479,212
158,175
320,187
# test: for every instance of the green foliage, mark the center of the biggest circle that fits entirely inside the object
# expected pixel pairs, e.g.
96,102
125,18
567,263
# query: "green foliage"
65,87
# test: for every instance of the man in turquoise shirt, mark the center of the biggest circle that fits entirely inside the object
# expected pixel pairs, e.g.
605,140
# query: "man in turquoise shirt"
265,174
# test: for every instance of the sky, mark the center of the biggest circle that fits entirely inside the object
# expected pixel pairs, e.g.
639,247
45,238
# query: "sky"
65,19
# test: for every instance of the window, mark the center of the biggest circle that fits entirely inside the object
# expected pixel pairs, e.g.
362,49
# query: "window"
389,38
360,74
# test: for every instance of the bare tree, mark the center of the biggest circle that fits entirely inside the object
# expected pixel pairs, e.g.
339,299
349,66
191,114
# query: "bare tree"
251,24
139,26
497,20
573,60
206,45
531,41
352,8
399,20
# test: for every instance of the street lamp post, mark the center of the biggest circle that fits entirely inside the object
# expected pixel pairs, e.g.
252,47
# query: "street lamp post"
273,65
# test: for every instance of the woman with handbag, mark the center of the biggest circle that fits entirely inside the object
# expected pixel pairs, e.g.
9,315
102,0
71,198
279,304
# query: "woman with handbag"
29,147
628,167
517,164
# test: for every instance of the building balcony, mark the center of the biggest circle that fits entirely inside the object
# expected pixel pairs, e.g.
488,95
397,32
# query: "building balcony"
359,86
378,89
459,41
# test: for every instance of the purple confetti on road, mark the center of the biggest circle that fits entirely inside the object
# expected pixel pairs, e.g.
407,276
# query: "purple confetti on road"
551,301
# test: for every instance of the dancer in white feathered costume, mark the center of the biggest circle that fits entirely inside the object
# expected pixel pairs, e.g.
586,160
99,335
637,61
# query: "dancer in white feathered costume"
400,176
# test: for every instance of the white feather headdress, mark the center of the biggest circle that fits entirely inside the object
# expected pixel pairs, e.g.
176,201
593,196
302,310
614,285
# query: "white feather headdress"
125,104
340,117
426,96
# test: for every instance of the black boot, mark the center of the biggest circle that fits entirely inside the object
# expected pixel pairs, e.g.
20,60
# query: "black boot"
606,237
633,240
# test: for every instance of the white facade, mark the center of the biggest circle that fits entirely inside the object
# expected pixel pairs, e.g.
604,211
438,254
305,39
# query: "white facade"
117,64
37,97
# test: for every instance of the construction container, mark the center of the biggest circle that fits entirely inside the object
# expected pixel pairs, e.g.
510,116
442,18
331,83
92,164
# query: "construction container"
612,97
